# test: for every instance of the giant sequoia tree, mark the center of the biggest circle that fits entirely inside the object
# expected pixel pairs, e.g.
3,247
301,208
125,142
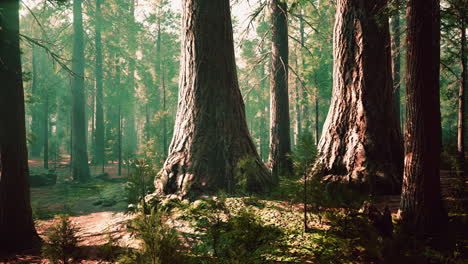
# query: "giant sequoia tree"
79,162
361,142
280,141
210,132
421,204
16,224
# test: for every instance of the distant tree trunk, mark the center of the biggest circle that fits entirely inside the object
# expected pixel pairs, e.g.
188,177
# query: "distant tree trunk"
99,132
80,168
130,130
421,207
361,143
304,100
164,109
45,130
297,108
280,140
395,42
119,122
35,113
317,130
462,97
17,230
210,132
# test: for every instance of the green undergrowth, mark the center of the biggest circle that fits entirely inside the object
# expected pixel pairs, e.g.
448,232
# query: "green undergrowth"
74,198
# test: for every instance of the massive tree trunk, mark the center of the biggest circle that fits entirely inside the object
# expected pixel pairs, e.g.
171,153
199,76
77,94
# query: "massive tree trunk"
280,139
421,208
395,39
210,132
361,143
99,133
80,168
16,224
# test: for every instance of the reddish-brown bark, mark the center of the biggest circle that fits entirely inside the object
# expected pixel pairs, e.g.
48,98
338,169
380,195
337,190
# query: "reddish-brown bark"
421,208
210,132
17,230
361,142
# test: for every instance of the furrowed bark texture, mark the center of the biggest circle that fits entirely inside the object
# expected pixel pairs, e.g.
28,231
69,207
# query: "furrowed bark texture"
17,230
421,208
280,138
80,168
210,132
361,143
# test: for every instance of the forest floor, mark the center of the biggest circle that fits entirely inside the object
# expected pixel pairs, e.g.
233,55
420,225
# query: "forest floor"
98,209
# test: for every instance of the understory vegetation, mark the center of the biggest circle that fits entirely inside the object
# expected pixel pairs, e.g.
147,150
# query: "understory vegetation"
340,225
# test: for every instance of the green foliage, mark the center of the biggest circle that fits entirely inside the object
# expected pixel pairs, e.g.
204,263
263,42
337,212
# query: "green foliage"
245,238
304,155
140,181
246,171
61,241
232,238
160,243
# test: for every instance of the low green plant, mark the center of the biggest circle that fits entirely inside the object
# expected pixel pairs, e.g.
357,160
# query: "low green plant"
160,243
246,238
61,241
110,250
209,216
140,181
246,171
232,238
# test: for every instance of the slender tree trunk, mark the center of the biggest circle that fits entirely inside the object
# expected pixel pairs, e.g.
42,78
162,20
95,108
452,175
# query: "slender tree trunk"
297,108
395,41
130,130
362,143
35,112
317,130
17,230
304,100
280,140
461,99
45,130
99,132
421,207
80,167
164,110
210,132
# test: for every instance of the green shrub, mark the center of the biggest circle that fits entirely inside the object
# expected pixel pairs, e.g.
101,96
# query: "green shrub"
140,181
304,155
232,238
160,243
246,171
61,241
245,238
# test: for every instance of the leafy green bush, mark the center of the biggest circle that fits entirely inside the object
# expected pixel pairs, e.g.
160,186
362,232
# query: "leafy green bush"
140,181
246,238
246,171
160,243
304,155
61,241
232,238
